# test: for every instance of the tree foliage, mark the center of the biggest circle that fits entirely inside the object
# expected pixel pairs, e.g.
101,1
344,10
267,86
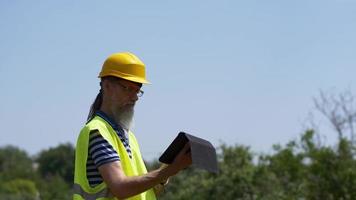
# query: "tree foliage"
47,176
14,163
58,161
18,189
299,170
55,187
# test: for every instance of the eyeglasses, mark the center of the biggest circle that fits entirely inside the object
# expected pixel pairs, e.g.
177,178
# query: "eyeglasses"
129,90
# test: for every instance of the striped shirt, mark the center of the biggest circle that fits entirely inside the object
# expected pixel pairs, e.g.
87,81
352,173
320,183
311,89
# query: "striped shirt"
101,152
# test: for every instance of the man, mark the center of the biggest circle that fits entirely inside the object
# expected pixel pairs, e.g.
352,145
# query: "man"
108,162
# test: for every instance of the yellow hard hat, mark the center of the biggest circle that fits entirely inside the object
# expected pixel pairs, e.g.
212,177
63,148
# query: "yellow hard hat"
126,66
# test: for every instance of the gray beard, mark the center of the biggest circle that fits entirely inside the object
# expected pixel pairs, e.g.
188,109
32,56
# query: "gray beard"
124,116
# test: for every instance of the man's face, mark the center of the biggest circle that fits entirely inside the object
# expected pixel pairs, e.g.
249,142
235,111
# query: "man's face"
124,93
123,98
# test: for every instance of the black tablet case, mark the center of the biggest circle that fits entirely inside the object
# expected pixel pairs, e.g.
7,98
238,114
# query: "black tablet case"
203,152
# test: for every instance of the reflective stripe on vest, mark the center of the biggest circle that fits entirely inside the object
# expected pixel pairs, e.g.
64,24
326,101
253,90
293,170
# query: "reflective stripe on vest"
105,193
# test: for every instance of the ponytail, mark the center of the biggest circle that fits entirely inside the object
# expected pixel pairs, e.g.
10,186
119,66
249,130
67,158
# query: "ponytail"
96,105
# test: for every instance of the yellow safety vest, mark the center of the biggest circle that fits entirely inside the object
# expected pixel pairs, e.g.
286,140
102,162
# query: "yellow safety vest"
131,167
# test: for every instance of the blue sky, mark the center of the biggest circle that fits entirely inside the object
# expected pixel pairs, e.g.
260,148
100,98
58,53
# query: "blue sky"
235,72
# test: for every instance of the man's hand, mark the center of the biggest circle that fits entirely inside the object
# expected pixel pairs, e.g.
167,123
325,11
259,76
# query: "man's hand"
182,160
123,186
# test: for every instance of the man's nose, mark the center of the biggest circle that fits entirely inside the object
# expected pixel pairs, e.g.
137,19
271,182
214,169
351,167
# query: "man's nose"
134,97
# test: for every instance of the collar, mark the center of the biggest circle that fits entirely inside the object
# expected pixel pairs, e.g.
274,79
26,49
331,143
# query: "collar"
109,120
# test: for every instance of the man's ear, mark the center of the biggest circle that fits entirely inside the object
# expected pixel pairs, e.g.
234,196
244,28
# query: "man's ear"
107,87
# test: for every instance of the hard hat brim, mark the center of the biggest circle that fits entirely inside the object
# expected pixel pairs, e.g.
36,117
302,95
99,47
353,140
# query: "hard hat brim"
124,76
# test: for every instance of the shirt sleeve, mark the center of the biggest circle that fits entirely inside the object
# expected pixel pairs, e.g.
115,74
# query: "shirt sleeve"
100,149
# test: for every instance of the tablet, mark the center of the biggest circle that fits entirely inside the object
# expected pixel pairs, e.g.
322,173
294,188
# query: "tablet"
202,151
